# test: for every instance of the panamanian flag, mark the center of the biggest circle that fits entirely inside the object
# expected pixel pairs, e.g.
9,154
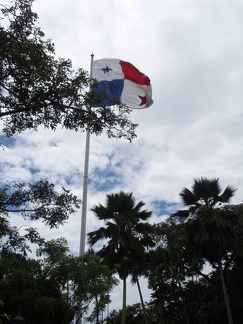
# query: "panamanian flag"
118,79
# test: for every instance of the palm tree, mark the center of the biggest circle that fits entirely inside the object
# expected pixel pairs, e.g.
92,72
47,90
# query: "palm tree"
127,235
207,223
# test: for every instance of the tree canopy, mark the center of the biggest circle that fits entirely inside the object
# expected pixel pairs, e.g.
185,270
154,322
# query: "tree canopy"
37,201
36,88
63,285
128,235
208,218
208,230
54,280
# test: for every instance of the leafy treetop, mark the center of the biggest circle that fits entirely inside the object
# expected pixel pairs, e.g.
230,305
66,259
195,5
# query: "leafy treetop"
37,89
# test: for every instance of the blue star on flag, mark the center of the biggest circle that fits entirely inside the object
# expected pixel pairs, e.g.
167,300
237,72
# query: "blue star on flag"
106,70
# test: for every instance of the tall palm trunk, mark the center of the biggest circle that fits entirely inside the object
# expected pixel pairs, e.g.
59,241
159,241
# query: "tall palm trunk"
124,301
97,311
226,298
143,306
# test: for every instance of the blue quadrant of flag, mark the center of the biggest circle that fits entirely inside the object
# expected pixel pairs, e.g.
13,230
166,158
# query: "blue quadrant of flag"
111,90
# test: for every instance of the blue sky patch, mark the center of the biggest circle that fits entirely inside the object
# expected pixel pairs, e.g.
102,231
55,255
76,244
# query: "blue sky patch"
104,180
162,207
7,141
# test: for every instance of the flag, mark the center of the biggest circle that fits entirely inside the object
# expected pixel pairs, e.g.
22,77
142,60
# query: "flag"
118,79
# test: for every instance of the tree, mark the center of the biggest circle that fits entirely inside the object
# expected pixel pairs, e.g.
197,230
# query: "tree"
133,315
38,89
82,280
102,282
4,318
24,287
169,272
54,287
207,223
38,201
126,233
21,276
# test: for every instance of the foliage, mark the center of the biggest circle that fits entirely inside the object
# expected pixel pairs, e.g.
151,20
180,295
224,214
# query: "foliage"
169,272
37,89
23,286
209,235
54,288
127,236
208,220
38,201
134,315
101,283
63,285
185,289
4,318
82,279
126,232
56,282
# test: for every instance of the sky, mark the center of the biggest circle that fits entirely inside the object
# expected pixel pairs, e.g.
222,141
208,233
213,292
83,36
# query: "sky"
192,51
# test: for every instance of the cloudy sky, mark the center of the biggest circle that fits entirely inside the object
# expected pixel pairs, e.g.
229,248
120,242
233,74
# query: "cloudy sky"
193,53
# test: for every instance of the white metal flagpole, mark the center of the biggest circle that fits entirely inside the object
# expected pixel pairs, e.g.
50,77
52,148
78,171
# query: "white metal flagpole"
85,183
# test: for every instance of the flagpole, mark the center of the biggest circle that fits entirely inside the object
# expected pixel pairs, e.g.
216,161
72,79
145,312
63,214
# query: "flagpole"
85,182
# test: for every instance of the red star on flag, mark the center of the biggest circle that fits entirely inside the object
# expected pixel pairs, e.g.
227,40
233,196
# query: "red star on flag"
143,100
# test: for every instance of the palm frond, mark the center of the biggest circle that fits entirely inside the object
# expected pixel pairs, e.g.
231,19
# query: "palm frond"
188,197
95,236
226,195
208,230
126,232
181,213
204,188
